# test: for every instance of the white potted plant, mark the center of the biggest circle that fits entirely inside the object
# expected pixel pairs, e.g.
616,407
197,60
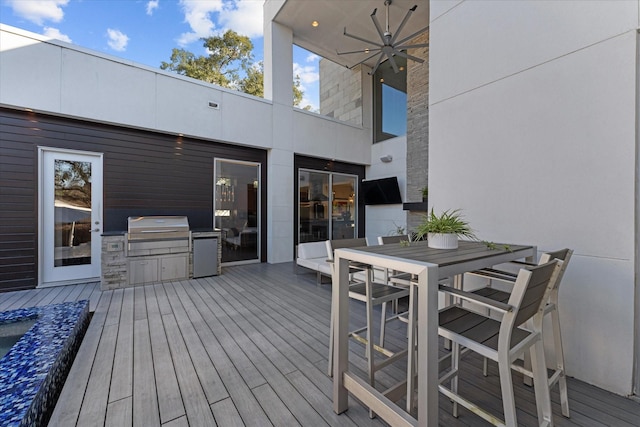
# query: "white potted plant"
442,231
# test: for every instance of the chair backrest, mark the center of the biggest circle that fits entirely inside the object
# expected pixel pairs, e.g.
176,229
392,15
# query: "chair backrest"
563,255
386,240
344,243
531,290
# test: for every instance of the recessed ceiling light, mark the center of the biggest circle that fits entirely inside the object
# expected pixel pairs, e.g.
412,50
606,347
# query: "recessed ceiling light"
315,24
401,68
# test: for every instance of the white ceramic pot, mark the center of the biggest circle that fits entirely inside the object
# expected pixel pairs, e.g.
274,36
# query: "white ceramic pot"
442,241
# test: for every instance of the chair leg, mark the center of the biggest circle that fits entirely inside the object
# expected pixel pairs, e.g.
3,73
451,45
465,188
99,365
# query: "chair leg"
411,346
541,384
559,354
383,323
485,367
506,386
455,366
369,346
331,332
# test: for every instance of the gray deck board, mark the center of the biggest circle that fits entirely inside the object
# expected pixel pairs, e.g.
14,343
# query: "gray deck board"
168,391
120,413
68,408
145,393
248,347
122,383
226,413
212,385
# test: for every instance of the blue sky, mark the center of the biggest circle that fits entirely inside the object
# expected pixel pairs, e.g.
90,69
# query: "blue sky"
145,31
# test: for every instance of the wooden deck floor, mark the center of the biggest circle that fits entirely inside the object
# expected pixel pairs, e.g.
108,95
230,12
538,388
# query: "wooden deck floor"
248,347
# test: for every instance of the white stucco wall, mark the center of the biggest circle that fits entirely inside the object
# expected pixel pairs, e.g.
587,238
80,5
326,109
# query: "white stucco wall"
383,220
59,78
532,134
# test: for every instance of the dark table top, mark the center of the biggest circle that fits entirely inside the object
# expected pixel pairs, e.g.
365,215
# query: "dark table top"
419,251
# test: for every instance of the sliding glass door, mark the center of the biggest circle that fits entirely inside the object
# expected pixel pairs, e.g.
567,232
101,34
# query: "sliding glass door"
326,206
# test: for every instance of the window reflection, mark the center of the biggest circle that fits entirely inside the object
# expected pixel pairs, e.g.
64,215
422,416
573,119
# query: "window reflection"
72,213
390,100
237,209
327,206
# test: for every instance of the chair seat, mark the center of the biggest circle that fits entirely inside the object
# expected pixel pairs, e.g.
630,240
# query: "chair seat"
492,293
379,292
475,327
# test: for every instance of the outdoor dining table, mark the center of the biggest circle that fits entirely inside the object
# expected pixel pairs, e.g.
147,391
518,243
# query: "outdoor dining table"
429,266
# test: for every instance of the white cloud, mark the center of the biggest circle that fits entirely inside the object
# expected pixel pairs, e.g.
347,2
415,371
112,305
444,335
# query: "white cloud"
210,17
197,15
117,40
312,57
151,6
307,102
243,16
308,73
39,11
55,33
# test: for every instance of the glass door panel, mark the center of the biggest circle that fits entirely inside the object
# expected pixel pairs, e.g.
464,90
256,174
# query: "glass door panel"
327,206
313,207
72,212
237,209
343,206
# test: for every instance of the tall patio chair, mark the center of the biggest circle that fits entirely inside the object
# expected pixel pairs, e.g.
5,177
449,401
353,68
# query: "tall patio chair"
364,287
502,340
558,375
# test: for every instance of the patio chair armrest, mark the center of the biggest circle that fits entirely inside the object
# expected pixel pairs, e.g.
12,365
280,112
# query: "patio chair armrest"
523,263
477,299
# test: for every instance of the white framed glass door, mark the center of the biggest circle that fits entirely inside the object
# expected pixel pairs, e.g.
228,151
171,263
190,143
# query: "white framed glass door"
70,216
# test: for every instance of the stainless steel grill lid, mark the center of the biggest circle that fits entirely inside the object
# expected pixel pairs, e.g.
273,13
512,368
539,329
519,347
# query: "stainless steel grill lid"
158,227
152,224
156,235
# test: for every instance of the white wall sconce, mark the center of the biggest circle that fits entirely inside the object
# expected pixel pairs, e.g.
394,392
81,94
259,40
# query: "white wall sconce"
386,159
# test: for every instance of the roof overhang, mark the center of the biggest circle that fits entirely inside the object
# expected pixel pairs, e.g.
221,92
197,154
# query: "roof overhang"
333,16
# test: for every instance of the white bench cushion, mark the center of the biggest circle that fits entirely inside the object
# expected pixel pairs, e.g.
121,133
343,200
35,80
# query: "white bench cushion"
313,255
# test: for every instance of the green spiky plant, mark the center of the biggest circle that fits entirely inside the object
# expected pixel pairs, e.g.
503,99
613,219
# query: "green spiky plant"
448,222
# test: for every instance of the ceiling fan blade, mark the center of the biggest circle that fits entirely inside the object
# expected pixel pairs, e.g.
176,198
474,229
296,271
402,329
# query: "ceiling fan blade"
375,67
406,55
411,46
403,23
360,38
394,65
377,24
359,51
413,35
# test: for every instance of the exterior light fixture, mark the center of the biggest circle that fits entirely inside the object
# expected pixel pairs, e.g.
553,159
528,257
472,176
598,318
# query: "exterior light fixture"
386,159
314,24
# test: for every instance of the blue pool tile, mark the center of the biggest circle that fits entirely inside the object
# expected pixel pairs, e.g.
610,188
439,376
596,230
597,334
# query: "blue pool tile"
33,371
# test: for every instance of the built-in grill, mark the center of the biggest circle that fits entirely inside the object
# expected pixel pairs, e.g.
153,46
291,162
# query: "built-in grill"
157,235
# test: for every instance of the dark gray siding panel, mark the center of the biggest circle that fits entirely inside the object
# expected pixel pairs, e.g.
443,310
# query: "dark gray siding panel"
145,173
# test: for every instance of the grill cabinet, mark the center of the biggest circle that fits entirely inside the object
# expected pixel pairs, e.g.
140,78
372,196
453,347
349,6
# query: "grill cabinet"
157,248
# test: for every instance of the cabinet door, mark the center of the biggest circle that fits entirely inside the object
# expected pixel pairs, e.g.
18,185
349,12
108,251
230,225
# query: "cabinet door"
143,271
173,268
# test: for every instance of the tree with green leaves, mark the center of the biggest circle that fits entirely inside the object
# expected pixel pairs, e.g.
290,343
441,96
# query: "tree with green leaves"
230,55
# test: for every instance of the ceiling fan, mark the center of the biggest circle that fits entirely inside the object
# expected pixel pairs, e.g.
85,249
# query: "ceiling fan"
390,45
